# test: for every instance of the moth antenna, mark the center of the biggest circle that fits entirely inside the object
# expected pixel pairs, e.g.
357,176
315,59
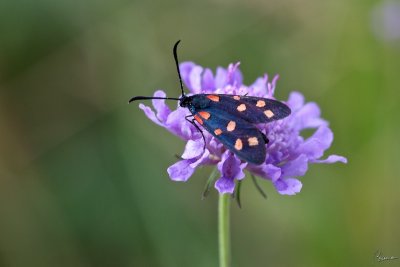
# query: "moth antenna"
177,65
150,97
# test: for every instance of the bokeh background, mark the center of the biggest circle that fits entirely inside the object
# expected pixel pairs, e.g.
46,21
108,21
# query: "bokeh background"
83,178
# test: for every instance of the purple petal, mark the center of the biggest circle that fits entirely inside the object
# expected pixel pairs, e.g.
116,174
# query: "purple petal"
150,114
195,79
331,159
308,117
295,101
193,149
181,171
220,78
267,171
271,86
177,124
230,168
208,83
288,186
259,87
297,167
159,105
315,146
234,76
185,69
225,185
204,159
215,147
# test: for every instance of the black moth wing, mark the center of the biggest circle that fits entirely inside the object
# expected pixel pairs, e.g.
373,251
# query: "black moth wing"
238,135
250,108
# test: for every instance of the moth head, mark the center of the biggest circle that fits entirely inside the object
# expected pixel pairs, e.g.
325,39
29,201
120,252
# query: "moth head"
185,101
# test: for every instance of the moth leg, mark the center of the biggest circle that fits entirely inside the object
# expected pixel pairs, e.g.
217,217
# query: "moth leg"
264,137
192,121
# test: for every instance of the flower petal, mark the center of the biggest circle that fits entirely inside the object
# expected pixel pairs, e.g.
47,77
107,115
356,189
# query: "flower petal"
307,117
220,78
150,114
234,76
177,124
267,171
204,159
259,87
315,146
225,185
193,149
215,147
295,101
331,159
195,79
159,105
208,83
297,167
185,69
181,170
271,86
288,186
230,168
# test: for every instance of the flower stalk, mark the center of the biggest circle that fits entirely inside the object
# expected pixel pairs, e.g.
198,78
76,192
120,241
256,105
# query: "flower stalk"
224,242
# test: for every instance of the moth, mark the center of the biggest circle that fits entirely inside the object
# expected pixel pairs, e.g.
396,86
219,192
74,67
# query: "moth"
231,119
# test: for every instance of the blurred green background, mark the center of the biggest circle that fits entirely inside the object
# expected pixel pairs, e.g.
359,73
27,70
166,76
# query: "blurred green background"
83,178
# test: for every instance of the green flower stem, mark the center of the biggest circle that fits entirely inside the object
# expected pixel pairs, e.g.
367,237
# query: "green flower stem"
224,230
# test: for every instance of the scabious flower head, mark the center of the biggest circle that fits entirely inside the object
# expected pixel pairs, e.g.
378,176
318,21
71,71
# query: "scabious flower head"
386,20
288,153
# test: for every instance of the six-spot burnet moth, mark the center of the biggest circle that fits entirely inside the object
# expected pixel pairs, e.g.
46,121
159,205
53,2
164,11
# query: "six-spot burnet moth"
230,118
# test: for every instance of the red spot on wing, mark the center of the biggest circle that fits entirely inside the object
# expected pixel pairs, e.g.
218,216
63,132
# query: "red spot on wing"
198,119
204,114
214,98
218,131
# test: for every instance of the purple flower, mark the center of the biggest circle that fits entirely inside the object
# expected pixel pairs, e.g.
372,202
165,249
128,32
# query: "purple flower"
385,20
288,153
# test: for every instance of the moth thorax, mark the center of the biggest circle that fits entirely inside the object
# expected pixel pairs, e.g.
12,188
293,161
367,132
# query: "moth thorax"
200,101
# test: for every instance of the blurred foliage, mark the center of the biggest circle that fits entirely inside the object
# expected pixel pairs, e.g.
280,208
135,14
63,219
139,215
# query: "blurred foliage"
83,177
